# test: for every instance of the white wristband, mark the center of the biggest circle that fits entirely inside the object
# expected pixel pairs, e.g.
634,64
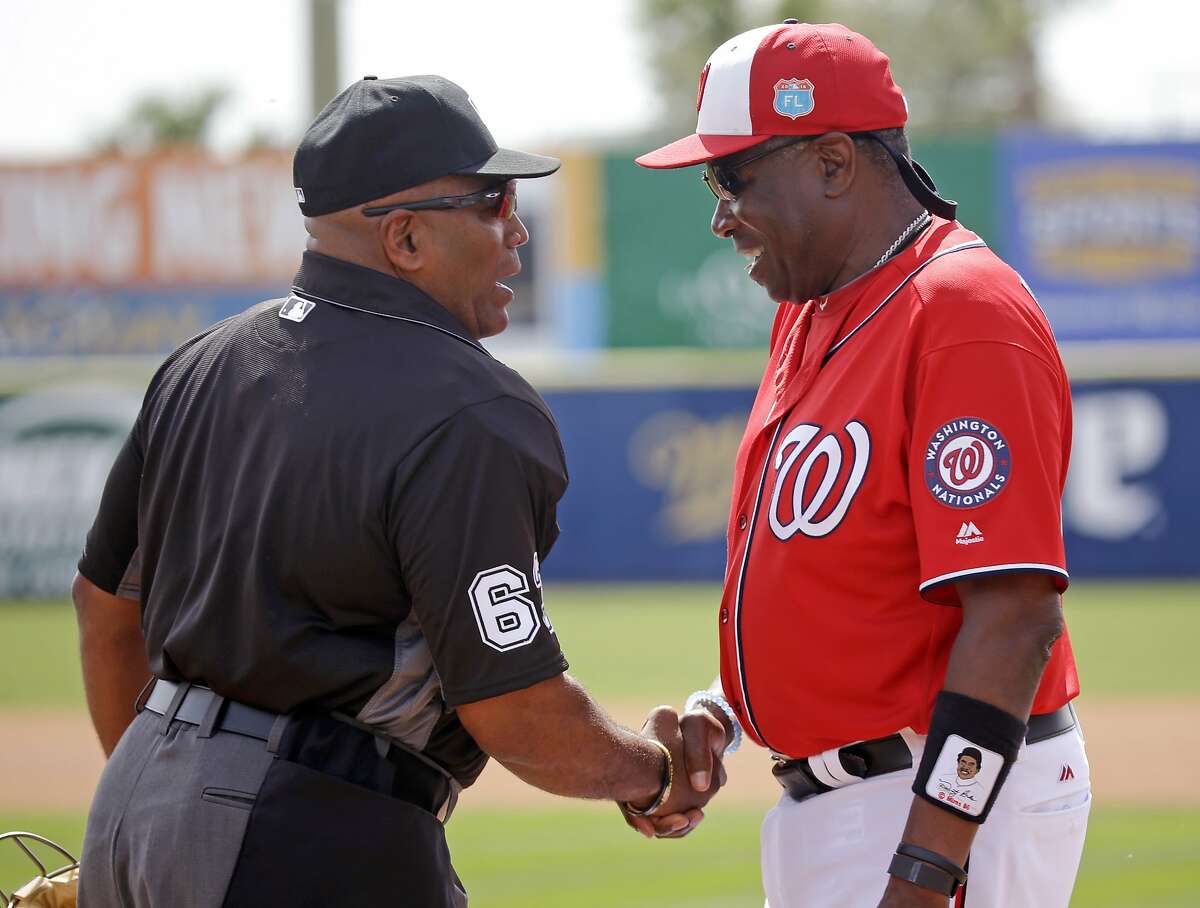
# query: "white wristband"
713,698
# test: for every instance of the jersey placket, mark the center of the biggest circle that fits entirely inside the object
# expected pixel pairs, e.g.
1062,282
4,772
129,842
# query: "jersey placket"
798,364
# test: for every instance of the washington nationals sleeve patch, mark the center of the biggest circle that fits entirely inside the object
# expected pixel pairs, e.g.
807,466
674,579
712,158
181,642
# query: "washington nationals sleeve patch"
964,775
967,463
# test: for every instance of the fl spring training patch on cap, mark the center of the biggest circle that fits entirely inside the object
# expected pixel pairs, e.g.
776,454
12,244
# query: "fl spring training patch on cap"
794,98
967,463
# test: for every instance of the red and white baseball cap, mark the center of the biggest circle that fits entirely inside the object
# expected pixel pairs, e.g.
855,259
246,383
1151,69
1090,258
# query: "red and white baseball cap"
791,79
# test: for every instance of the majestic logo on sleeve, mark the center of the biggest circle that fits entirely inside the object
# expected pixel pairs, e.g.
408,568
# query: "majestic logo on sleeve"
968,534
967,463
817,482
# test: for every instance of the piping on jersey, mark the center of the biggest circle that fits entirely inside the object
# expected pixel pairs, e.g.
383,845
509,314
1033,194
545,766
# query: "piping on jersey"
737,601
304,294
741,583
974,244
989,569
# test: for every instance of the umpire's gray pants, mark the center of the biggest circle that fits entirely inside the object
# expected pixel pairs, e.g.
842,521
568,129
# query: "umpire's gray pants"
169,815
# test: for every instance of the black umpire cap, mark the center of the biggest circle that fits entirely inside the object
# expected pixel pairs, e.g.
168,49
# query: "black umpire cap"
380,136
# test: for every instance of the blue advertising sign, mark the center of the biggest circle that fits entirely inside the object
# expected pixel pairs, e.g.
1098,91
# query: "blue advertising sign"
650,480
1132,504
651,473
67,321
1107,236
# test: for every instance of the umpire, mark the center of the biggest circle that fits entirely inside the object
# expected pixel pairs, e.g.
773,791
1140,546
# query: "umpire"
332,509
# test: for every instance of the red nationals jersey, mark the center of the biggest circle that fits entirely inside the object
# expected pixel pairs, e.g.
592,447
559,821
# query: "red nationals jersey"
912,429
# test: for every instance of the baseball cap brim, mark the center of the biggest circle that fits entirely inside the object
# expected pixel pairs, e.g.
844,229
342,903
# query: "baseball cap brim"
513,165
696,149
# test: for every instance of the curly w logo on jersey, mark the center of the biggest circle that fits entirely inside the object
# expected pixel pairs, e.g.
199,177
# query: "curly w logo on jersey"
816,482
967,463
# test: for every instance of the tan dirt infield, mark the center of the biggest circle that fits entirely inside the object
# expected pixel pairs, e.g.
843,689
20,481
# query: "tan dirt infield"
50,761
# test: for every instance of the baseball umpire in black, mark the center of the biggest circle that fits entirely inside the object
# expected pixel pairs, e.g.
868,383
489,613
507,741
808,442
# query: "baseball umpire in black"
331,510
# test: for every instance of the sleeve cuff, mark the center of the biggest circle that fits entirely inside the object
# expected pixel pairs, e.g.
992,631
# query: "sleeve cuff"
456,697
94,575
928,587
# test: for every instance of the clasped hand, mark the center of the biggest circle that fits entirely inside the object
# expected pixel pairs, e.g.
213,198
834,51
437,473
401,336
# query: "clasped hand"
697,743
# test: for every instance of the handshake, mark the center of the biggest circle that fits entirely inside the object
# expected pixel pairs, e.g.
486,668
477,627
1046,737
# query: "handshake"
693,746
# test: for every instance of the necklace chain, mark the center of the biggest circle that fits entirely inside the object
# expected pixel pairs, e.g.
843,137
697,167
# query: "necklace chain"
920,221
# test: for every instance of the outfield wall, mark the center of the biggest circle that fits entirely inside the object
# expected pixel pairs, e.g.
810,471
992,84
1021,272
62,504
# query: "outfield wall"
107,264
650,480
650,472
120,256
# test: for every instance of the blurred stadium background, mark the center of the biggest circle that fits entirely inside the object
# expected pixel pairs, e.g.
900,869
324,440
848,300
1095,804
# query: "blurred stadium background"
646,339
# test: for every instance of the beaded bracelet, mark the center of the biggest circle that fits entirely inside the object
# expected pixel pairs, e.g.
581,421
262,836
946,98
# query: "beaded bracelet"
713,698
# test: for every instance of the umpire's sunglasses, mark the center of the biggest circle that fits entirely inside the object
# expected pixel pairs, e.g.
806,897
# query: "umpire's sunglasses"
722,179
502,198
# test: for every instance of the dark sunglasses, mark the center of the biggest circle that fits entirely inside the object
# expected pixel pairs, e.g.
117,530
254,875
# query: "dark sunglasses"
722,180
502,198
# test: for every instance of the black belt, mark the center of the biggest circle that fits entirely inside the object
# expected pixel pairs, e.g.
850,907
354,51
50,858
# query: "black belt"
868,759
321,741
234,717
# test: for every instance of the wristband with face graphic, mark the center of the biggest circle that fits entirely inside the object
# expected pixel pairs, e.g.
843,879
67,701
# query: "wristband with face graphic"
968,752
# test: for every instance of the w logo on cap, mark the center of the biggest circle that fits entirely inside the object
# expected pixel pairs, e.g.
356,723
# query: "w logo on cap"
703,81
794,98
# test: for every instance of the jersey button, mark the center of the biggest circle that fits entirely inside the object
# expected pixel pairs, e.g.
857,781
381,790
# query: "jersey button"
741,521
724,616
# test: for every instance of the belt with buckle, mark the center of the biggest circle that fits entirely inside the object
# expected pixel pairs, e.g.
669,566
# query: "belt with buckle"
406,775
197,701
867,759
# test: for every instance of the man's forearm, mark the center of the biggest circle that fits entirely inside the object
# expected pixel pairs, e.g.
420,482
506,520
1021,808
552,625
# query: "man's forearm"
986,670
998,658
113,658
555,737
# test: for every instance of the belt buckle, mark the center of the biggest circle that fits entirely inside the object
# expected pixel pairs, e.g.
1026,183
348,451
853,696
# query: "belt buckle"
139,702
828,769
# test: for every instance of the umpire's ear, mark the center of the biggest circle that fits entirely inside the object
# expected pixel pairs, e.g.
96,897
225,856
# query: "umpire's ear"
404,238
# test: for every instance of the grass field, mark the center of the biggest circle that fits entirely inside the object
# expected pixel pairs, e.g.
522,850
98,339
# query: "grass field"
582,857
654,644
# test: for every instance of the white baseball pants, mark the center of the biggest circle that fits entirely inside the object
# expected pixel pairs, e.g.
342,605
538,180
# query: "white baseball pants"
833,850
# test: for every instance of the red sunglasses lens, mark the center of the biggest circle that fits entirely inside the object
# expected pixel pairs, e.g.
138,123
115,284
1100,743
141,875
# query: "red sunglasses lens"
508,202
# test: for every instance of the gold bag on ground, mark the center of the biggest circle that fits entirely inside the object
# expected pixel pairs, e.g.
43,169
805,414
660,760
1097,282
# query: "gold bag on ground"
50,888
55,891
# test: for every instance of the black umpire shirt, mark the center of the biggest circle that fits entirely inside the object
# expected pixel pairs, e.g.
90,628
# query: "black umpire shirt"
340,501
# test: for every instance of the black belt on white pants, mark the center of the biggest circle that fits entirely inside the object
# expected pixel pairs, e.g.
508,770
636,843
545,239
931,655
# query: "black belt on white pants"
802,778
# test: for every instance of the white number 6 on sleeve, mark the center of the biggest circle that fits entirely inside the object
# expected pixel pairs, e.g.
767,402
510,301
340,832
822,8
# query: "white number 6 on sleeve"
505,617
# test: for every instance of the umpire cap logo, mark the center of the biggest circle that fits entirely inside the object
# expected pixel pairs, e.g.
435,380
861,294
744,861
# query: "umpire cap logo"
817,507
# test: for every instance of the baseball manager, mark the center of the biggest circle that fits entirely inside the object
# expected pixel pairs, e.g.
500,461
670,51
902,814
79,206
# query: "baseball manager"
891,627
333,509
